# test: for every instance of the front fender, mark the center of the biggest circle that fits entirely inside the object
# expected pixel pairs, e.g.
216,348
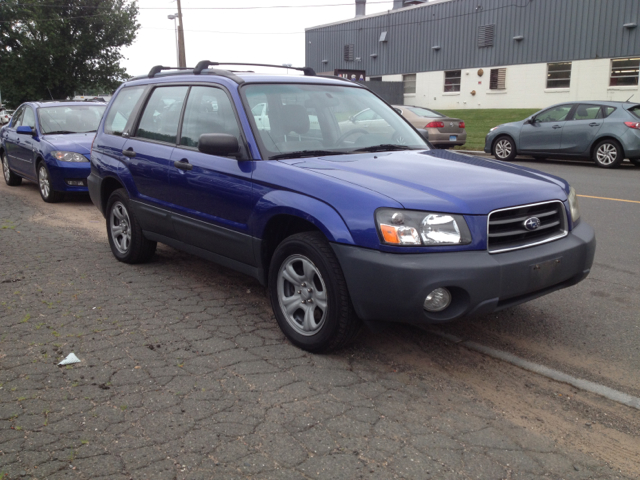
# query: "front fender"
320,214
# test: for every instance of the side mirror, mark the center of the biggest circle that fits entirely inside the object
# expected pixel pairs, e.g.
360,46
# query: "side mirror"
424,133
221,144
25,130
352,119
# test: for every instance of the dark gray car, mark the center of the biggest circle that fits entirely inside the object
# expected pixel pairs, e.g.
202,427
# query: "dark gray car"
606,132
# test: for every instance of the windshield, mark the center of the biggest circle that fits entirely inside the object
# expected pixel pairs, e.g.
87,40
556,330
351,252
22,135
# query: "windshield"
292,120
70,118
425,112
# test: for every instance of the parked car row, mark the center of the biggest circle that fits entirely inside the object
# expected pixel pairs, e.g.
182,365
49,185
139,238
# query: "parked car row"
328,196
5,116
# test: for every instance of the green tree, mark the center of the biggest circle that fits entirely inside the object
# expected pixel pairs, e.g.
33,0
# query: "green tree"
54,48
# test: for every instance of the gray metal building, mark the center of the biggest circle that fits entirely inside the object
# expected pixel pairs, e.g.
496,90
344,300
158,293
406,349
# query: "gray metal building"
453,35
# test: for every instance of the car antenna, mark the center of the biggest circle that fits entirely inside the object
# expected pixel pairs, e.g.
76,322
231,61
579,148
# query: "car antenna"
629,98
50,93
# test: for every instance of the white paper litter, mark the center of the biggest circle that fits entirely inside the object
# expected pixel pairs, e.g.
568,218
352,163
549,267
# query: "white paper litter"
71,358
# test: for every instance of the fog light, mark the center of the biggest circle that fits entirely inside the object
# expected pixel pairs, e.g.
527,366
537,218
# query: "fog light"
75,183
437,300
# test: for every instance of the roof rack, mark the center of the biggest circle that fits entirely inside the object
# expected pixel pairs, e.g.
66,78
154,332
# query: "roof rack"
158,68
308,71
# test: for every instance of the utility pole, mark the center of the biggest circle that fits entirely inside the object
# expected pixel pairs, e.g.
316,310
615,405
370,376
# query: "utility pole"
182,60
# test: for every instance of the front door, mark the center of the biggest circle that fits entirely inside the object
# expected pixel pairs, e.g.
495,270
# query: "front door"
544,132
213,195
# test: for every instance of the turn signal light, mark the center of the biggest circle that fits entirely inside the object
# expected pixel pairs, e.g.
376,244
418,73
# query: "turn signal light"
434,125
635,125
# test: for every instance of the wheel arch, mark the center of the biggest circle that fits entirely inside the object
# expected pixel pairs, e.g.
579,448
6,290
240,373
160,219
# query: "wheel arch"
107,187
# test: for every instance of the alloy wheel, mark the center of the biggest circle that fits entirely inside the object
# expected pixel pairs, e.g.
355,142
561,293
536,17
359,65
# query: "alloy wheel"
120,227
607,154
5,168
302,295
43,181
503,148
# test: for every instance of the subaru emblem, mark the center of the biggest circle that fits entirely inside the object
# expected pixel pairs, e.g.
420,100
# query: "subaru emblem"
532,223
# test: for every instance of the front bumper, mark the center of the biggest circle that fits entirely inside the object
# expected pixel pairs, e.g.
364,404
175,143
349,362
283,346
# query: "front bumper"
392,287
62,172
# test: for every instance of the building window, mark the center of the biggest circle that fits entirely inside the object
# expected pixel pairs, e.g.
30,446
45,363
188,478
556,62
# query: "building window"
624,71
452,80
559,75
348,52
485,35
409,83
497,79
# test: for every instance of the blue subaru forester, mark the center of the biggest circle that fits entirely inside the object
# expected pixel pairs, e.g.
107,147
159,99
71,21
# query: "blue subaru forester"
270,175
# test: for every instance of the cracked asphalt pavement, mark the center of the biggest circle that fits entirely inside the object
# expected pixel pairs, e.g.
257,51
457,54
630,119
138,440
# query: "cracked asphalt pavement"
184,374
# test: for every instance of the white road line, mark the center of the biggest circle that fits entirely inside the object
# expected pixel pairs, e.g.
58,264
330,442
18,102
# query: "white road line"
603,391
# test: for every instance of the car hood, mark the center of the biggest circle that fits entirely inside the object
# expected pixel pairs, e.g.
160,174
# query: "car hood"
72,142
440,180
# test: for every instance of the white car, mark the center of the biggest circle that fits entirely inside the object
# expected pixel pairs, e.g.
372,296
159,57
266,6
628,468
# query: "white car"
5,116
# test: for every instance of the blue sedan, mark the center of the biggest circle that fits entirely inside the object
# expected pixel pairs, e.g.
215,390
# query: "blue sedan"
605,132
50,143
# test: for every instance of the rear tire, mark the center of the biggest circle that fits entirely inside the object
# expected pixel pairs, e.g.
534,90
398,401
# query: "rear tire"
608,154
10,178
47,192
309,294
504,149
128,243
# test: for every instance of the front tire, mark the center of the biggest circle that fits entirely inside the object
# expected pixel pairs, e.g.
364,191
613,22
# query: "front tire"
10,178
47,192
309,294
504,149
608,154
128,243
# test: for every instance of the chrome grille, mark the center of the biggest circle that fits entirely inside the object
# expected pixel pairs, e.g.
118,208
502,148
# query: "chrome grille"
506,227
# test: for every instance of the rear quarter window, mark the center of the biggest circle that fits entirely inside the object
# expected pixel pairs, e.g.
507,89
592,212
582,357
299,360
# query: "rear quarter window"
606,111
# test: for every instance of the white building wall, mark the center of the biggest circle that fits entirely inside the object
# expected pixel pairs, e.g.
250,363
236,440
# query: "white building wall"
525,87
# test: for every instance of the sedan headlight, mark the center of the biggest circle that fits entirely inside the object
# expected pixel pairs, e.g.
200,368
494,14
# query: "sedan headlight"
492,129
69,156
573,205
411,228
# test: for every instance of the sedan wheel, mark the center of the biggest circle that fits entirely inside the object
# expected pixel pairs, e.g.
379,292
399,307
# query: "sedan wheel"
10,178
504,149
608,154
44,183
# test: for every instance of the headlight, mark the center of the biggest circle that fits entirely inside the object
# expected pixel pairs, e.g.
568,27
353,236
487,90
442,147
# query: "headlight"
410,227
573,205
69,156
491,130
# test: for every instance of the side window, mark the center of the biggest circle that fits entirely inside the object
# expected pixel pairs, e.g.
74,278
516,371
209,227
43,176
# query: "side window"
17,118
366,115
609,110
587,112
208,110
29,118
161,115
121,110
555,114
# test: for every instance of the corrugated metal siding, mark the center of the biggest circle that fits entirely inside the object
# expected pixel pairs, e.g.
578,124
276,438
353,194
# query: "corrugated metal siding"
553,30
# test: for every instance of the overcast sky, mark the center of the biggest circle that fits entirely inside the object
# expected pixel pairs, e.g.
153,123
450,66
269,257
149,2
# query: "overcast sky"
244,34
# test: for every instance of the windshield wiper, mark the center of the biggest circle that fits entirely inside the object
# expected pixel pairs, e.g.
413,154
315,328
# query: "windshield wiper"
383,147
58,132
305,153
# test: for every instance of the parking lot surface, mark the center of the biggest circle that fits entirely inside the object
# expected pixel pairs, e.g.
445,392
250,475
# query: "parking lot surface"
184,374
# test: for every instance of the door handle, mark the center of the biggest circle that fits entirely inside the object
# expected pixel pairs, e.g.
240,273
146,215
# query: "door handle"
594,124
129,153
555,127
183,164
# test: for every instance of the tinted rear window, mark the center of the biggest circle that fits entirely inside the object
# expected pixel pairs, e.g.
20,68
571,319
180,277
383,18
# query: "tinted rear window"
635,110
425,112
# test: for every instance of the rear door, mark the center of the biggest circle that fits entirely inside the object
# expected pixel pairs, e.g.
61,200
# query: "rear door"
544,133
581,129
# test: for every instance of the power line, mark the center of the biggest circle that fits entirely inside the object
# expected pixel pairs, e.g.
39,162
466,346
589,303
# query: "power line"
210,8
